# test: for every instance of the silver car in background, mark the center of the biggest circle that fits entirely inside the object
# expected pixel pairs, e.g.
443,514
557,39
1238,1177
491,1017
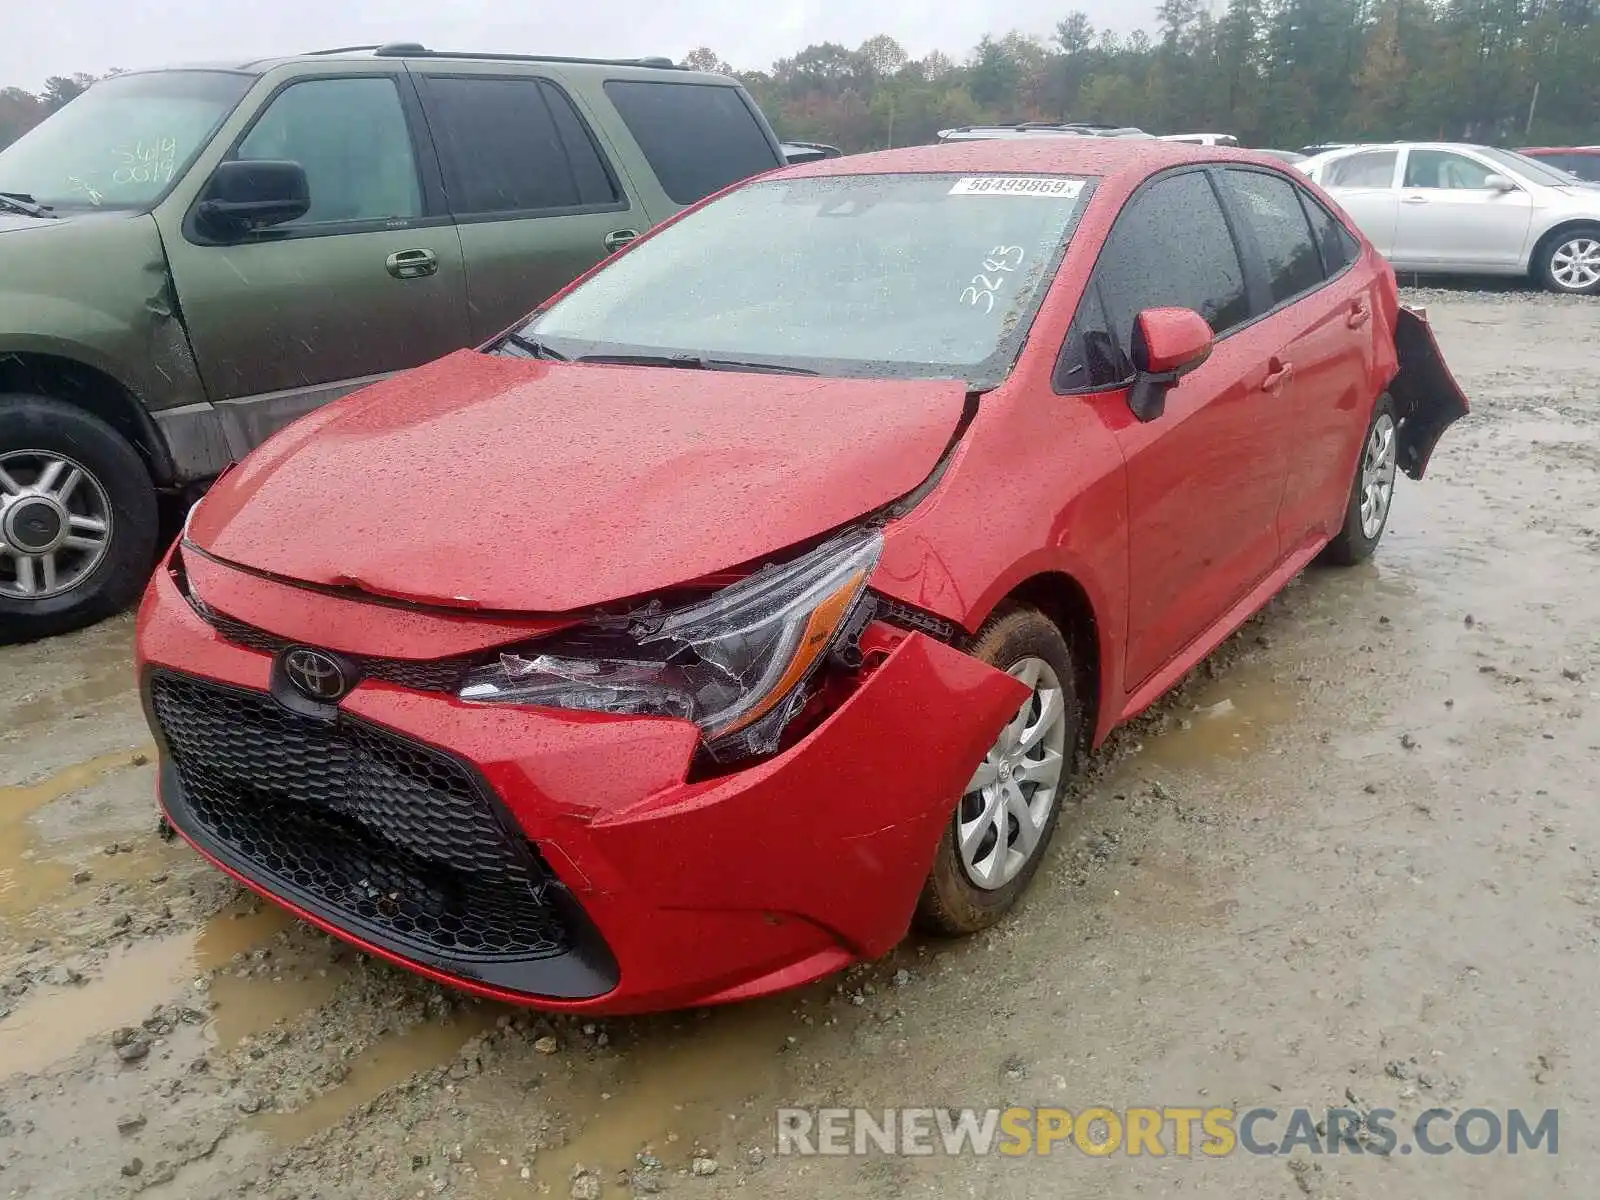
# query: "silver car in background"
1446,207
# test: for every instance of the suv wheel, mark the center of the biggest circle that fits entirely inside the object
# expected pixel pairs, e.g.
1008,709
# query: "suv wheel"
77,519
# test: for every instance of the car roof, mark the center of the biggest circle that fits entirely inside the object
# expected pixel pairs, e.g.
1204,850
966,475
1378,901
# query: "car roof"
1559,150
1104,157
414,51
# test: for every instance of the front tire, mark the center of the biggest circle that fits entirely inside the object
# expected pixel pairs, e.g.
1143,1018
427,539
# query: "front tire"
1366,513
78,519
1570,264
1003,822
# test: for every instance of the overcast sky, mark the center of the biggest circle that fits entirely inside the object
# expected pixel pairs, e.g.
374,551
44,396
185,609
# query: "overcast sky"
60,37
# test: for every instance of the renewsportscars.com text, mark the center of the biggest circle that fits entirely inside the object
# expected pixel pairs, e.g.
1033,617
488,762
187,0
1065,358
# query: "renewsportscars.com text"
1157,1132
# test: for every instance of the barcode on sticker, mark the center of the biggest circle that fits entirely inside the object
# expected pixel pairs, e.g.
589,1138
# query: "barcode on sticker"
1018,185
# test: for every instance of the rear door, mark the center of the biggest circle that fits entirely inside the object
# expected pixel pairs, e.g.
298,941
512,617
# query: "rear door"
1448,217
369,281
1366,186
1204,479
1316,310
536,198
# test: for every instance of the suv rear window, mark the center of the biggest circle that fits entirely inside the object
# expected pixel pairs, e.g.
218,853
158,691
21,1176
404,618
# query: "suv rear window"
514,145
697,137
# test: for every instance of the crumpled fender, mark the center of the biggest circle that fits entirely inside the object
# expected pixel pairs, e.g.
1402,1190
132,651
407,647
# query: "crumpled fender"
1427,398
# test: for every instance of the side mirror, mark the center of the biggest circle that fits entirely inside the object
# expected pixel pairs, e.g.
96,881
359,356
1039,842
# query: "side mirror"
243,196
1499,183
1168,343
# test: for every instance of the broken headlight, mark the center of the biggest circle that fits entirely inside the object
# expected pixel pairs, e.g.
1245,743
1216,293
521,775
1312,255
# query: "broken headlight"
734,663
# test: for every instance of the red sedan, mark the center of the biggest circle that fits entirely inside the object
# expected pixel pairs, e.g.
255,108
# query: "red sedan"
760,594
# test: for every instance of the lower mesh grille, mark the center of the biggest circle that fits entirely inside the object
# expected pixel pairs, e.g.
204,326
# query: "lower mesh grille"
395,840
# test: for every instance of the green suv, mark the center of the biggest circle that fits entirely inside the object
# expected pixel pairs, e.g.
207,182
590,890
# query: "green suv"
191,258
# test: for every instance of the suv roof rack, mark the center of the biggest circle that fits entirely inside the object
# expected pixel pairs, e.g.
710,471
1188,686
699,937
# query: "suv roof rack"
418,50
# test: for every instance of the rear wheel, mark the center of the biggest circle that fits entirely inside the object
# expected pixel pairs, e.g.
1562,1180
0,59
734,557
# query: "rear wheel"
1571,262
77,519
1004,820
1366,513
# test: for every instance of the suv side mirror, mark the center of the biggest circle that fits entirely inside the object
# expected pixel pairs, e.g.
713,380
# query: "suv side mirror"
243,196
1499,183
1168,343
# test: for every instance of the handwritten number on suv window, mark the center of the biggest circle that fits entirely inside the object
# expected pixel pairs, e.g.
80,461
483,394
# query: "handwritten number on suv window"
1000,261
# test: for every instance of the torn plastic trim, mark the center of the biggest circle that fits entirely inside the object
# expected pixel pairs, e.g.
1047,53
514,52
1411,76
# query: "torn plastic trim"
1427,398
736,663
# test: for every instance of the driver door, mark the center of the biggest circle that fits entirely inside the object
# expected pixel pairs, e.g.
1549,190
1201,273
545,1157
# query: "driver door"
1450,217
369,281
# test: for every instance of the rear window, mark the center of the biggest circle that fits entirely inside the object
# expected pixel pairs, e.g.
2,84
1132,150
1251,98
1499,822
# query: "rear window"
697,137
1374,169
1271,208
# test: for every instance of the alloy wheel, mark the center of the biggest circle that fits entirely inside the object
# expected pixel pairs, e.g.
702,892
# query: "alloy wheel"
1377,476
1007,805
1575,264
55,524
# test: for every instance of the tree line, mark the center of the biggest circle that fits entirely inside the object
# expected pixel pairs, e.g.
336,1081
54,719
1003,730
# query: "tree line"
1280,73
1276,73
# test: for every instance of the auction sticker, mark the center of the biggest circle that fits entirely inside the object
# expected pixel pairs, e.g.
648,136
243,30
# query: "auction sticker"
1057,186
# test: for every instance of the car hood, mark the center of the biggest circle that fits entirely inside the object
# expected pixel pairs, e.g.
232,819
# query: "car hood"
497,483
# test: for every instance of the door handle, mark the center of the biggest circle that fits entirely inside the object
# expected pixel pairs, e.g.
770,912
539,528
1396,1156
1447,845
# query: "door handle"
1277,375
411,264
1414,200
1358,315
618,238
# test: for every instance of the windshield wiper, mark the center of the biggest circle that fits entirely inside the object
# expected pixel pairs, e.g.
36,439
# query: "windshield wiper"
25,204
695,362
533,348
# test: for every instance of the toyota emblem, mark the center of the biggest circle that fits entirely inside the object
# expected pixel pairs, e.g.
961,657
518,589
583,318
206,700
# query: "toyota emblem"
315,675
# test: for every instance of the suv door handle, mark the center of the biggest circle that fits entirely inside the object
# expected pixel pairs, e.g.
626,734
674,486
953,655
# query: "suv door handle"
1358,315
1278,372
618,238
411,264
1414,200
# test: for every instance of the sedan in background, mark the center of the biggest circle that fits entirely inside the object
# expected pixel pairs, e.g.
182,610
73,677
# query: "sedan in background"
800,553
1451,208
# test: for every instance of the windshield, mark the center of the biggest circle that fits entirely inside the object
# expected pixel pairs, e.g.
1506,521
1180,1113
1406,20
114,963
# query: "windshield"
873,275
1532,168
123,142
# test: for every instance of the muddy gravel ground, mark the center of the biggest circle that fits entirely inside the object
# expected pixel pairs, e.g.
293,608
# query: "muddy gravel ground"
1358,854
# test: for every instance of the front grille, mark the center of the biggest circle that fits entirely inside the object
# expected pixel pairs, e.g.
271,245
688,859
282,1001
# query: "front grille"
393,840
425,675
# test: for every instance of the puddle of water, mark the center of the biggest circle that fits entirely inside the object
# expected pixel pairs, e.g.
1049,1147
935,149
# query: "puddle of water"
388,1061
686,1079
27,876
1232,717
245,1005
53,1022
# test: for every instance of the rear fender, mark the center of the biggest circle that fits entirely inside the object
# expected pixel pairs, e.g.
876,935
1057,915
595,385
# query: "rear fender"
1426,396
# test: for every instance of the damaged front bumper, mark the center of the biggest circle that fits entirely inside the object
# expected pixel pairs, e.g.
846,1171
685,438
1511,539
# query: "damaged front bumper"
615,883
1427,398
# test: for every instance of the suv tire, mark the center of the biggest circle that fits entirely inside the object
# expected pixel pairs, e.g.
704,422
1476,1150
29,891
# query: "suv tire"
72,484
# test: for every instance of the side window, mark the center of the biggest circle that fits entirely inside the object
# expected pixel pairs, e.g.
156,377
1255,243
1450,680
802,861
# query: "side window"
1171,247
697,137
351,137
1338,245
513,146
1442,169
1374,169
1270,206
1091,356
